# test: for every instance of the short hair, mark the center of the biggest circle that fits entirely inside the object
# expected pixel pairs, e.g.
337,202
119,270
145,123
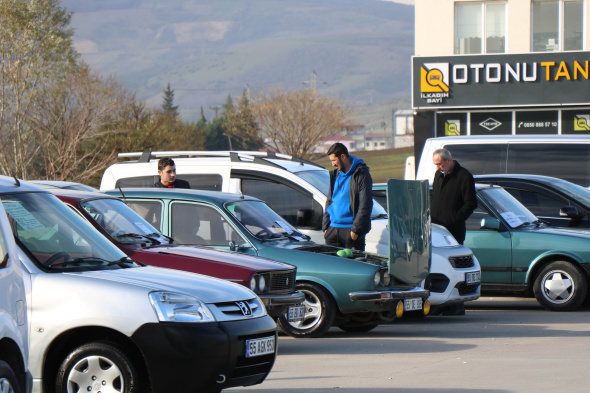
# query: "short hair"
164,162
338,149
443,153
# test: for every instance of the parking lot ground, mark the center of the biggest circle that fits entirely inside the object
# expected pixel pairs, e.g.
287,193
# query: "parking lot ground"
500,345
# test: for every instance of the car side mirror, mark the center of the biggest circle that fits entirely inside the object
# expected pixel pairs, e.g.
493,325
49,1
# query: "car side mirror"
490,223
569,211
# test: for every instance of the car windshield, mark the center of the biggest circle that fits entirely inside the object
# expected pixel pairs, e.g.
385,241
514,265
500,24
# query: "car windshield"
57,237
121,222
261,221
510,209
321,181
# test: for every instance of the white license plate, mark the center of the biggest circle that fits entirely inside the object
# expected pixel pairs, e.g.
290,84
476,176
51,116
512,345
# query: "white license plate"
296,313
413,304
260,346
472,277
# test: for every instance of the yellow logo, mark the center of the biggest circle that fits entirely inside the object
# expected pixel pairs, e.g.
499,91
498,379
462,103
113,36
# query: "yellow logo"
582,123
434,78
452,127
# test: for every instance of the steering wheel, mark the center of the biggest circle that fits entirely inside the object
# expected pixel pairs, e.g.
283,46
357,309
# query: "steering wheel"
56,256
262,232
118,232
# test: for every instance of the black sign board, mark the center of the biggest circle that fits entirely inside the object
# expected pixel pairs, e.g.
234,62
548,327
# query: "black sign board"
536,122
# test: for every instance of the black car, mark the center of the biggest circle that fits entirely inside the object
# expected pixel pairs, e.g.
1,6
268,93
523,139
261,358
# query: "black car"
558,202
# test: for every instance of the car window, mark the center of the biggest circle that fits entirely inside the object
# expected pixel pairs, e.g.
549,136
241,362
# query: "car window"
151,211
284,200
3,252
540,205
473,223
193,223
200,181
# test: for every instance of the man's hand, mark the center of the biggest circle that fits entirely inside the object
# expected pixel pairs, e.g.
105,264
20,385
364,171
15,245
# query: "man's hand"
353,235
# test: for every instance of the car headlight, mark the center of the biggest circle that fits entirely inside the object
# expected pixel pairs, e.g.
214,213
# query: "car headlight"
176,307
258,283
377,278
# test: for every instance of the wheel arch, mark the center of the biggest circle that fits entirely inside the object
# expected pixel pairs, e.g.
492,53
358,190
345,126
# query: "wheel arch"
323,284
12,355
69,340
548,257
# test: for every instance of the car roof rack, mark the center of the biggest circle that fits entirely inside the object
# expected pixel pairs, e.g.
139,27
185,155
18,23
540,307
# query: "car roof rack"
257,157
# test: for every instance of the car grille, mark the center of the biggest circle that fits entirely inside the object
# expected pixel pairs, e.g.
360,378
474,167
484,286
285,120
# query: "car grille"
462,261
231,309
282,282
465,289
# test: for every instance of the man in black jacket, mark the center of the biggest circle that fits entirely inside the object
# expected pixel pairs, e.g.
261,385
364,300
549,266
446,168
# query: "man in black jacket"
453,194
347,218
167,172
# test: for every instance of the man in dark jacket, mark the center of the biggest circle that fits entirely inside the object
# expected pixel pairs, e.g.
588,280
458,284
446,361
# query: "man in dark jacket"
167,172
453,194
347,219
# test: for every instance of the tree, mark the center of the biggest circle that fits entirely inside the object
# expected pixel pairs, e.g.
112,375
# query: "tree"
36,51
297,121
168,104
241,126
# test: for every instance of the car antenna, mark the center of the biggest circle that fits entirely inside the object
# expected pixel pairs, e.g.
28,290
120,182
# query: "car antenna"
121,191
16,181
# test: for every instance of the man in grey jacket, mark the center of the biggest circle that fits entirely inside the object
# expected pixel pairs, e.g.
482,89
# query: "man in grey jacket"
347,217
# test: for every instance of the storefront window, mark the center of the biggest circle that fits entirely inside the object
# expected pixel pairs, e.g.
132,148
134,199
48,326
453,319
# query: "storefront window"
557,25
475,20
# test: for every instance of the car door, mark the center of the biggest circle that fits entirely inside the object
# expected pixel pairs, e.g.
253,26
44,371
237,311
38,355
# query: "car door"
491,247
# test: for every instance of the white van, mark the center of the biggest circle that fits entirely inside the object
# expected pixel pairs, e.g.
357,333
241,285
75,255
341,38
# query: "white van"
14,376
563,156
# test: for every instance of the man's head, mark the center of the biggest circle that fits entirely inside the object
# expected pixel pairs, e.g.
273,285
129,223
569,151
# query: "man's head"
339,157
443,160
167,171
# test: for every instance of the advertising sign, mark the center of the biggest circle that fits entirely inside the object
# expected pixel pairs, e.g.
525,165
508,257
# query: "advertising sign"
556,78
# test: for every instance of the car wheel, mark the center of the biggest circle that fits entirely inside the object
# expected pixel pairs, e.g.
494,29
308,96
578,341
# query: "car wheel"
95,367
8,382
560,286
352,328
320,312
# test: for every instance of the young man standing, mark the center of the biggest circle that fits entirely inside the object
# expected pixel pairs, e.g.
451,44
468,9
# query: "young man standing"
167,172
347,219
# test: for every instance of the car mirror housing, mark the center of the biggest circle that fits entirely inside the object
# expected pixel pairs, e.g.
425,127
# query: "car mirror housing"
569,211
490,223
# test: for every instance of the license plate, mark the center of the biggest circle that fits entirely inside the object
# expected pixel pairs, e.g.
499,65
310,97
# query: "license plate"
260,346
472,277
413,304
296,313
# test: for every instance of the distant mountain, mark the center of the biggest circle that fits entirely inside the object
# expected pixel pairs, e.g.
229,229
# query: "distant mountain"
207,49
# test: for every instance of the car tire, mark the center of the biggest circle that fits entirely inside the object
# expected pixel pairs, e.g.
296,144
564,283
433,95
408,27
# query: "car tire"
352,328
320,311
560,286
97,363
8,381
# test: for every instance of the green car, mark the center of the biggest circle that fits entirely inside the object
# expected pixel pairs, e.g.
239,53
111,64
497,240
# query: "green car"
521,255
347,288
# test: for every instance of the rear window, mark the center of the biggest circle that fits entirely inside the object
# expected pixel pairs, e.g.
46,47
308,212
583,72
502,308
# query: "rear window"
209,182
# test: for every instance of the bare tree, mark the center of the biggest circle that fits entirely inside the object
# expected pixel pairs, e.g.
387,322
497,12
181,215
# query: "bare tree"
35,50
297,121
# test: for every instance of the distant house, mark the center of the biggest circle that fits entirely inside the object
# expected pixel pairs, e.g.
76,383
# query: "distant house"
329,141
376,142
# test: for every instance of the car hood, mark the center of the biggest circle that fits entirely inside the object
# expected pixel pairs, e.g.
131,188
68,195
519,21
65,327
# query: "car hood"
219,256
581,233
149,278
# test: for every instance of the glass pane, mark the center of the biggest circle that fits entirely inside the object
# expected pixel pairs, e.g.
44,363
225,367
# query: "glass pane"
495,28
468,28
201,225
545,25
572,25
149,211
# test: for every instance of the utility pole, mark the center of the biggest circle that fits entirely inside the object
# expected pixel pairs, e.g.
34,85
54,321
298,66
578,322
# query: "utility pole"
314,82
216,109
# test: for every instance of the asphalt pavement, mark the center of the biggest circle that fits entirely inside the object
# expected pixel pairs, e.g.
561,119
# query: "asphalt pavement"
500,345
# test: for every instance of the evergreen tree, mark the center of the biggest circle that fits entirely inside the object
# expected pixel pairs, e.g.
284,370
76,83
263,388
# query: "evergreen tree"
168,104
228,107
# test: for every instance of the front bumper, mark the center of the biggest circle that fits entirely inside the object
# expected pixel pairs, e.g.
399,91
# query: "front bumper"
195,357
277,305
388,295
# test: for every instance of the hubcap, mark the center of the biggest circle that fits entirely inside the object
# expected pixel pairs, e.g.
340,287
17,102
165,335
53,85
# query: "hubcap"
313,311
558,287
5,386
95,374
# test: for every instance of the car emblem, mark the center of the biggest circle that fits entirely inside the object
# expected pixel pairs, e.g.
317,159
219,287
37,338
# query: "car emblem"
245,307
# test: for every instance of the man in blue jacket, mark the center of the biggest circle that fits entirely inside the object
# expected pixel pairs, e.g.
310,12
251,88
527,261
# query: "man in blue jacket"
347,217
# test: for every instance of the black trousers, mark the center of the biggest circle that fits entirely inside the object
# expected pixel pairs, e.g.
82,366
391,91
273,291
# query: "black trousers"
340,237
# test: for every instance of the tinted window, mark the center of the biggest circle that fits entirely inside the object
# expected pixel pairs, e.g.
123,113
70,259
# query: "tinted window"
481,159
210,182
539,204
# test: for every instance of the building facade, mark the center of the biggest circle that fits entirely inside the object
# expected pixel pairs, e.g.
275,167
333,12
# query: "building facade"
508,67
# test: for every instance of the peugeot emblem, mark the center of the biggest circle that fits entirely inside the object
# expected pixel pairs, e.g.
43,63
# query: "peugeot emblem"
245,307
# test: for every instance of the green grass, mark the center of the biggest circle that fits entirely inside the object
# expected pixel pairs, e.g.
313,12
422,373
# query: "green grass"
384,164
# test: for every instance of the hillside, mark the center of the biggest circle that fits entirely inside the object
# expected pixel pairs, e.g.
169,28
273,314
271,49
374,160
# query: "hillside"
208,49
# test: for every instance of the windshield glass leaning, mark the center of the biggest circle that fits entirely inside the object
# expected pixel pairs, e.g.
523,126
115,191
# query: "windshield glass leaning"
260,220
121,222
56,236
512,211
321,181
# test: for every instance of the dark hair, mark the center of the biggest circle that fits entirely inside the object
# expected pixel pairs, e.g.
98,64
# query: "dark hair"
164,162
338,149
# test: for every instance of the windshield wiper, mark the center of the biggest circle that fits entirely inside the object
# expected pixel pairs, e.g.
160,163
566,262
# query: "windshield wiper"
379,216
155,242
123,262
